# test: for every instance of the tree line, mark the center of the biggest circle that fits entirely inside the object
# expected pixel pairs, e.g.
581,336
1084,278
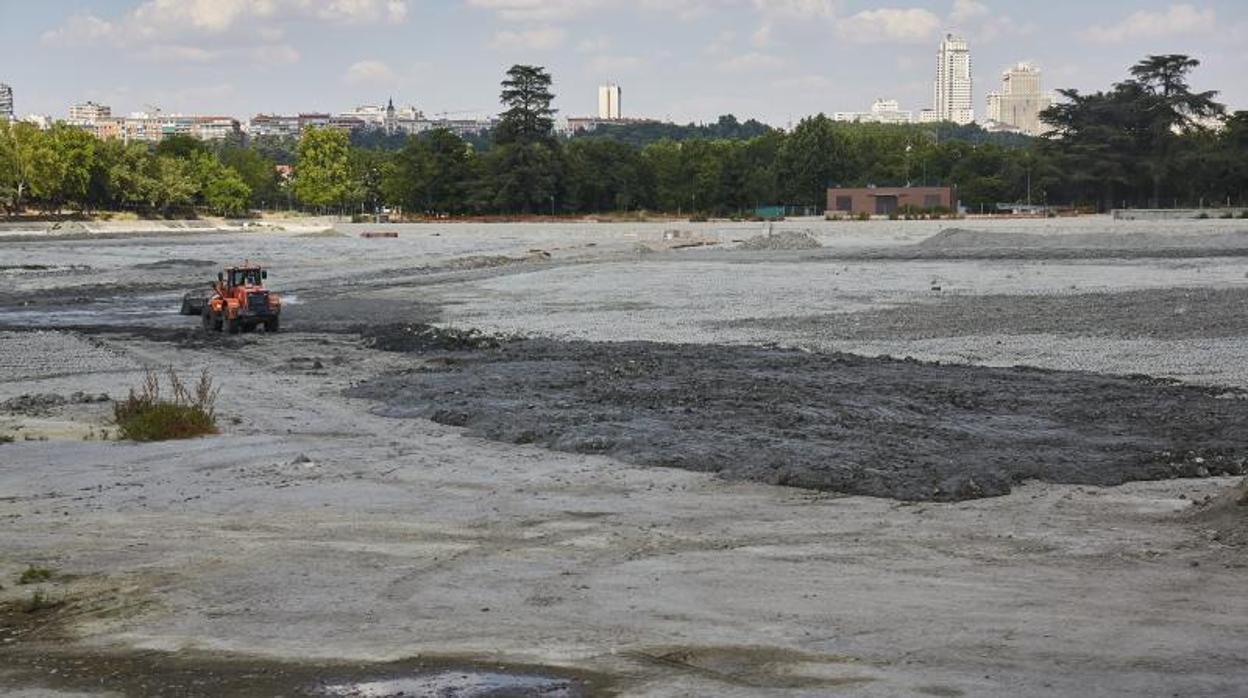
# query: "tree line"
1147,141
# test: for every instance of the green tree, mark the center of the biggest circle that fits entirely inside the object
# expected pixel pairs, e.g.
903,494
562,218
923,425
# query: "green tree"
529,118
257,171
323,173
526,165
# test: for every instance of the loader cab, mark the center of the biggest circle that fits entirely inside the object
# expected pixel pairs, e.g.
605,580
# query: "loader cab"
242,276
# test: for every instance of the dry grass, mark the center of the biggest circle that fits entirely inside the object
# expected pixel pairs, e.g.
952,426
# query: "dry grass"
147,415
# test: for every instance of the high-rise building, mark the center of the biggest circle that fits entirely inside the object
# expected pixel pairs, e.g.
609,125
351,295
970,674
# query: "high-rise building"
609,101
6,102
88,113
953,81
1018,105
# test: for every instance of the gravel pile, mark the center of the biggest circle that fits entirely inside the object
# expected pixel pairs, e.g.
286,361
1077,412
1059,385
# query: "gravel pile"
43,354
782,240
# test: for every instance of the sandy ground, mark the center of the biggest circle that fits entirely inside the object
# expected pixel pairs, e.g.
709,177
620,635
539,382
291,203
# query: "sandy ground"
314,537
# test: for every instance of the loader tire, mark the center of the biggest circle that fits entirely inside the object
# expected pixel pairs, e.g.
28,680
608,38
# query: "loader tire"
233,326
206,317
272,325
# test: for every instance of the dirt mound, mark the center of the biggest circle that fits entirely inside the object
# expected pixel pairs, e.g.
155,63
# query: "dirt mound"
1226,515
783,240
177,264
873,426
420,338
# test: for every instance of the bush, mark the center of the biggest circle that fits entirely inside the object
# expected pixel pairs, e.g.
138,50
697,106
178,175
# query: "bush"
146,416
34,575
1203,215
864,216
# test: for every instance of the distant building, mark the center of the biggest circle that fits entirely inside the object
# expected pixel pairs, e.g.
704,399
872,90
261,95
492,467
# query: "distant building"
1018,105
885,200
883,111
146,127
928,116
6,102
88,113
585,124
609,101
953,81
273,125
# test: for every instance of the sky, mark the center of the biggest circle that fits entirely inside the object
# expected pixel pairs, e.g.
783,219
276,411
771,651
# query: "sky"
683,60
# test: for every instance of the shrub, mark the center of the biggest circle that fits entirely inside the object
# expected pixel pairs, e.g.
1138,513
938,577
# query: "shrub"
146,416
1203,215
40,601
34,575
864,216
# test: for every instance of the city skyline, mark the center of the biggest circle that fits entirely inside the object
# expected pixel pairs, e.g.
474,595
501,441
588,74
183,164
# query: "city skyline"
281,56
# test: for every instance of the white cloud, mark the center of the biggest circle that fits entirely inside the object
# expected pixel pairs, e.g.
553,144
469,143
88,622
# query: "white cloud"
967,10
800,9
174,53
754,61
684,10
889,25
534,39
369,72
536,10
1175,20
180,22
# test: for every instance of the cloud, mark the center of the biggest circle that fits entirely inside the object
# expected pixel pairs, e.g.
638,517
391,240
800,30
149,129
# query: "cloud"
754,61
167,19
683,10
967,10
535,39
1175,20
173,53
369,72
797,9
536,10
889,25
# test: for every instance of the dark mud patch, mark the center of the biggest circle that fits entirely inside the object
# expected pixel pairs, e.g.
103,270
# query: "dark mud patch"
177,264
143,674
872,426
1171,314
757,667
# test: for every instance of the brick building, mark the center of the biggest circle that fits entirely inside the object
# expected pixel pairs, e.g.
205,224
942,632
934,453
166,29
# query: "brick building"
885,200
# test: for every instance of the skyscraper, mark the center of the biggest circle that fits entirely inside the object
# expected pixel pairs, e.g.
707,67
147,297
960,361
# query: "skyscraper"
953,81
1020,101
609,101
6,102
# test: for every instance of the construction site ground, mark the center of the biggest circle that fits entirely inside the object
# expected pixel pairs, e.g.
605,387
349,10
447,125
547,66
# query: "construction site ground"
438,479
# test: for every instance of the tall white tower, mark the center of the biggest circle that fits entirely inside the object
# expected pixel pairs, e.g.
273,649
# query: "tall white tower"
1020,101
953,81
609,101
6,101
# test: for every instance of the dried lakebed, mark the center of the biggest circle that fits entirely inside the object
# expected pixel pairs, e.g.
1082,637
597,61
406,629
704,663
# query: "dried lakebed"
883,427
